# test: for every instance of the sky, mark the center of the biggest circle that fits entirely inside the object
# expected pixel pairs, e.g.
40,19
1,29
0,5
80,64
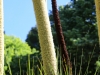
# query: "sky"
19,16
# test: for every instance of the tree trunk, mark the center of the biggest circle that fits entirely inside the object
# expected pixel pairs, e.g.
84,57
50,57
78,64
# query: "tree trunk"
1,39
97,4
45,37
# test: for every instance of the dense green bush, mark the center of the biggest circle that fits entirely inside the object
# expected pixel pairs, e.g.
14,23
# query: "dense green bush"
16,55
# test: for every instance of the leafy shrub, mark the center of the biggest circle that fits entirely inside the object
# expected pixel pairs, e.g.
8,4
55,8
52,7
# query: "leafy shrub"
15,51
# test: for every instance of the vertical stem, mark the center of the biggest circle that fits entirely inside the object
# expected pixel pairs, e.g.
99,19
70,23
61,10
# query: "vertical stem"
1,39
97,4
60,35
45,37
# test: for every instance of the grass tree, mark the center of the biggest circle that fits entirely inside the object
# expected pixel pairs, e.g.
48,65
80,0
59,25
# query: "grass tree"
97,4
45,37
1,39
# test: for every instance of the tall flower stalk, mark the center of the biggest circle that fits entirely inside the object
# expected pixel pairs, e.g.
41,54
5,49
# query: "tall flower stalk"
60,37
97,4
1,39
45,37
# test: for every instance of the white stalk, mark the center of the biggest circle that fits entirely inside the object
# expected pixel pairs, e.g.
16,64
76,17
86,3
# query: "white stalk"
45,37
1,39
97,4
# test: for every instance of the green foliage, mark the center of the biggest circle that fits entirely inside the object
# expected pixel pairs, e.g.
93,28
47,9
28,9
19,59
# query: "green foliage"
32,38
16,50
97,66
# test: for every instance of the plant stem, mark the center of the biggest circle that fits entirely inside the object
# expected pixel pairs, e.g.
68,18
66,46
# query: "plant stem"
97,4
60,37
45,37
1,39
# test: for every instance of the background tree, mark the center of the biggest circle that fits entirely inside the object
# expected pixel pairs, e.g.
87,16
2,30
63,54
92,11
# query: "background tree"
32,38
15,49
80,32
